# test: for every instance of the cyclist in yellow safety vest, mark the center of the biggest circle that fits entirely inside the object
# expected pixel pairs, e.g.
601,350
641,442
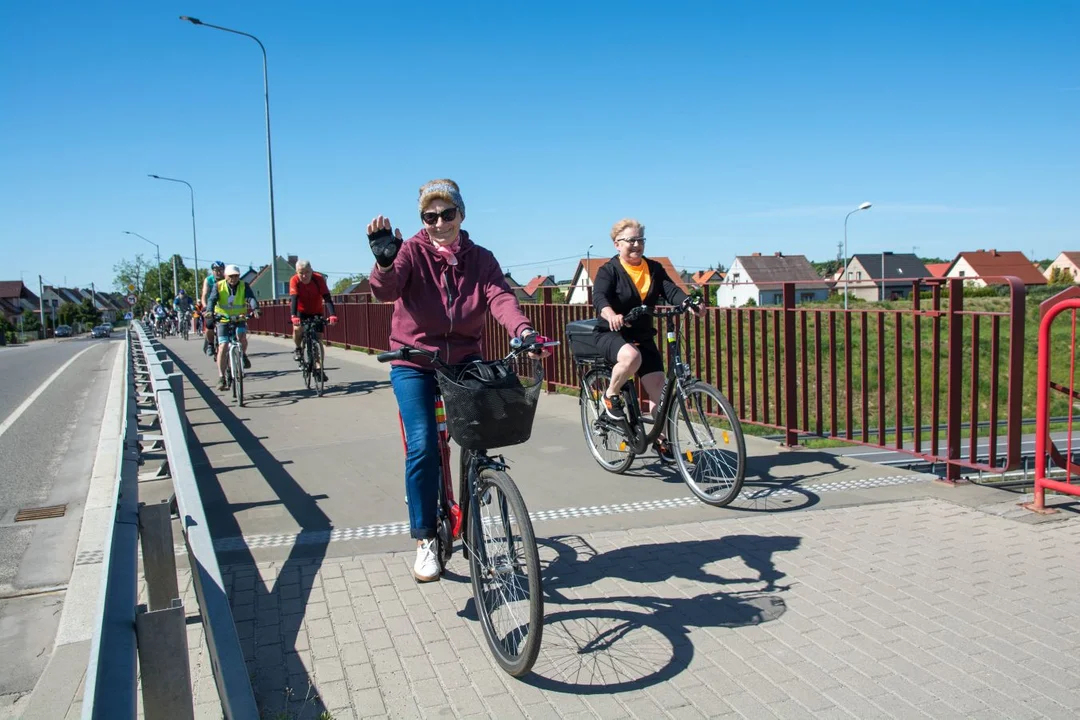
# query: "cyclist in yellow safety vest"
228,302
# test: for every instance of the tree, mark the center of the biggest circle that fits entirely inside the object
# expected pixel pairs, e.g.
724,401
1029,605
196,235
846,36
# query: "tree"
30,321
344,283
68,313
1061,276
88,313
131,272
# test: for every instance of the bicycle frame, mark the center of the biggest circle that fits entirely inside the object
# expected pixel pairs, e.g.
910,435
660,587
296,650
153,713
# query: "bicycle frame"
677,373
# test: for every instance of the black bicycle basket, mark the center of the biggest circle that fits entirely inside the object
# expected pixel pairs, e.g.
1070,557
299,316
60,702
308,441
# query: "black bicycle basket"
491,404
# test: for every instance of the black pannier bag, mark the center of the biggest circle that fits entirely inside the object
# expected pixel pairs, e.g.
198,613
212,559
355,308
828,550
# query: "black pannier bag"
582,336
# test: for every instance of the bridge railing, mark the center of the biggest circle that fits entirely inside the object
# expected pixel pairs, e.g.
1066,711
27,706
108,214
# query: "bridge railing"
1048,455
933,379
156,632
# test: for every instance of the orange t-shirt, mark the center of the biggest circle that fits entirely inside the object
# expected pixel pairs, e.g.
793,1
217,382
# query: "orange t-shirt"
309,296
640,275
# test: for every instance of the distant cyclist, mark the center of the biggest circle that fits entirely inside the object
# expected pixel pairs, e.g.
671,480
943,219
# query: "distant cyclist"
309,294
159,313
230,299
626,281
217,268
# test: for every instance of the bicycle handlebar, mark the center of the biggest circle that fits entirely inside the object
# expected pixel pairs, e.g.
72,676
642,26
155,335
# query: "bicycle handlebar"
517,347
642,310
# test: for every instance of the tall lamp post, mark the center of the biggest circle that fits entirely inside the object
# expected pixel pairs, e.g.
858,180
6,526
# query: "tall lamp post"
864,206
159,292
194,241
269,155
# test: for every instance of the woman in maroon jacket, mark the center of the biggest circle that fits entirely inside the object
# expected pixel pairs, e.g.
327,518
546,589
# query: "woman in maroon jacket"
442,284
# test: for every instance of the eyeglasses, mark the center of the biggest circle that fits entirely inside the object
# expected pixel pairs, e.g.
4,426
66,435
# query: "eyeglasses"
431,217
633,240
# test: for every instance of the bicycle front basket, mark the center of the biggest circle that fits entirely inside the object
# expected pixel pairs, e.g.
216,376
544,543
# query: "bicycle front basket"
489,404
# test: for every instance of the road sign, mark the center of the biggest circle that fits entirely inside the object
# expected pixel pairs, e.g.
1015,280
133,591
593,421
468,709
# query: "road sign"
128,316
131,288
131,299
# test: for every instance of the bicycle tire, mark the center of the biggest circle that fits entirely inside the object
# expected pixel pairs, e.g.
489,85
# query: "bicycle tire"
597,380
306,362
732,437
320,382
517,654
238,374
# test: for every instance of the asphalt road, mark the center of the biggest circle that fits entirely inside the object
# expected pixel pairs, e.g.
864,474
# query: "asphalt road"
46,457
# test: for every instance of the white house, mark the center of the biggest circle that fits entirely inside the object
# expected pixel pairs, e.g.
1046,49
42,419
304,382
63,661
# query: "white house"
1069,262
761,278
995,264
865,273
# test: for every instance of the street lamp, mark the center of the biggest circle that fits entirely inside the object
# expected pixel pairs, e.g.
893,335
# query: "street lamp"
159,292
864,206
269,156
194,242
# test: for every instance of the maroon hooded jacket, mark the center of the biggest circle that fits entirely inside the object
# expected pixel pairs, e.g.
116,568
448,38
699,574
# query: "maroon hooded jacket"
438,306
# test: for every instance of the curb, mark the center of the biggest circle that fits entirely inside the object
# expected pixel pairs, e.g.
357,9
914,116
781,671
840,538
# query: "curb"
58,692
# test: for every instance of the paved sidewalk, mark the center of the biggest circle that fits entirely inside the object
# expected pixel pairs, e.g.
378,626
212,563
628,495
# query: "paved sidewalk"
921,608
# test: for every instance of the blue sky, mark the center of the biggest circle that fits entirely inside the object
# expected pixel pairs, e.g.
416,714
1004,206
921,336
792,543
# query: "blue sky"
726,127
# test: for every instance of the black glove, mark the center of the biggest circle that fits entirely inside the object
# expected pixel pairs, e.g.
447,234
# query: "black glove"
385,246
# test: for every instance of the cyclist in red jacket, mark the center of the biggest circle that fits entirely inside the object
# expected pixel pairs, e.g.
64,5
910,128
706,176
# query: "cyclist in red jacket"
309,294
442,285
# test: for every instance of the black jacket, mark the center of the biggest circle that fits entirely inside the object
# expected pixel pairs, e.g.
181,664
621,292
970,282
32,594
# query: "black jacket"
613,288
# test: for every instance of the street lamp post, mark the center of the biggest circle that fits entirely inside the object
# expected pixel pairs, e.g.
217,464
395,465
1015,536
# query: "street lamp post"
194,241
269,155
159,292
864,206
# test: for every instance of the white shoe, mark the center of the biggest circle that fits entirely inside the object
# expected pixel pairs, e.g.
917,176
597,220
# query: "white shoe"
426,568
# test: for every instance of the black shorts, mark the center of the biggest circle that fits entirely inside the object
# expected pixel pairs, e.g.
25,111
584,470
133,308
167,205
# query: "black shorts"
651,361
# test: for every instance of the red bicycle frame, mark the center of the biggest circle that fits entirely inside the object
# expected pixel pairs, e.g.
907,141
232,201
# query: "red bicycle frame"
444,455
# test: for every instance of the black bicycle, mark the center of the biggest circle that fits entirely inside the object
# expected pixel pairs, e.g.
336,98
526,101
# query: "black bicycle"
312,354
702,427
485,405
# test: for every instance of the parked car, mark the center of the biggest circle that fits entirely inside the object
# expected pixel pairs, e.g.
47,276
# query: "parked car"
99,331
62,331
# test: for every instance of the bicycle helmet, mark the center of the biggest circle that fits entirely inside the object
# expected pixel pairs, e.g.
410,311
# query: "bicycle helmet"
182,292
217,264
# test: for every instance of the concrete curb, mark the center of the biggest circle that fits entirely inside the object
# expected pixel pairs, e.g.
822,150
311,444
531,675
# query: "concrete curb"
58,692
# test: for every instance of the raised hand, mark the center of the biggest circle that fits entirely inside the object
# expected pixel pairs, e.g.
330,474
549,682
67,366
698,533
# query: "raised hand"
384,243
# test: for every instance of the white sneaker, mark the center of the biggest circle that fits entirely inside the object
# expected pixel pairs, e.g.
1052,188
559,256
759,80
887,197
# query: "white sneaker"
426,568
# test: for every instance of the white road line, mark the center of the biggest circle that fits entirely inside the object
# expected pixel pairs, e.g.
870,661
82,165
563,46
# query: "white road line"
4,426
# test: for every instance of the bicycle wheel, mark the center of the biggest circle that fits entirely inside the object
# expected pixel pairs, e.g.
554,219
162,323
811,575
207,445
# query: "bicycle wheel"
306,362
608,447
707,439
237,360
319,355
505,569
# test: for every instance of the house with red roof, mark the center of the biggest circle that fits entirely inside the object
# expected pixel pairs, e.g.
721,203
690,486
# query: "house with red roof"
974,266
1068,262
585,275
938,270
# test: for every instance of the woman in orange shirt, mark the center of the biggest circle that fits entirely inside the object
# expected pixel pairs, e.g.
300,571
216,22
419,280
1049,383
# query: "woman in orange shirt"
627,280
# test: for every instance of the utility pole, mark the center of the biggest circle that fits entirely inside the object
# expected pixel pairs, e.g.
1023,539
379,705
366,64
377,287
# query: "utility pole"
175,287
41,304
93,296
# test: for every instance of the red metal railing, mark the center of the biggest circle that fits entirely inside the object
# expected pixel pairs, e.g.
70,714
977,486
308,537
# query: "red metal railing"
919,380
1045,448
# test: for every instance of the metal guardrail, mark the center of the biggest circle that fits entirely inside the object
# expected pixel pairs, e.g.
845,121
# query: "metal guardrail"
156,632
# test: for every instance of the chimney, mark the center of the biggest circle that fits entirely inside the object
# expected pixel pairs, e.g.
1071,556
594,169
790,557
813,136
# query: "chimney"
755,254
778,254
293,259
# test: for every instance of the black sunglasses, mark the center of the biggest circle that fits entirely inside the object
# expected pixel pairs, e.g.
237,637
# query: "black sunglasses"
633,240
431,217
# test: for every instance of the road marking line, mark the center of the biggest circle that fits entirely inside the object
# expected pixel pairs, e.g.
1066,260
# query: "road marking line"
34,395
754,493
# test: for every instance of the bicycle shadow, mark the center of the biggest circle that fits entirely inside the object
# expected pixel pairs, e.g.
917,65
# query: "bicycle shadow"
267,612
613,641
281,398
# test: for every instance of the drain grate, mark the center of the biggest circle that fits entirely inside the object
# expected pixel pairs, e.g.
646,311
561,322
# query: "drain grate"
40,513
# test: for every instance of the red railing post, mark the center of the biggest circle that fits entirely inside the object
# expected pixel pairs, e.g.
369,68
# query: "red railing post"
953,404
791,436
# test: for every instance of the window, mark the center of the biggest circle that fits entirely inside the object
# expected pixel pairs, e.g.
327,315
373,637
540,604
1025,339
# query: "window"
777,298
806,297
961,273
858,275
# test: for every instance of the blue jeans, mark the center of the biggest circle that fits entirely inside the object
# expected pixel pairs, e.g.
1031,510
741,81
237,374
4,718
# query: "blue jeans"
415,393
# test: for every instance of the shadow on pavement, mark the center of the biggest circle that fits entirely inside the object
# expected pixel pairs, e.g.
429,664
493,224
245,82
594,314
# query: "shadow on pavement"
333,390
272,622
623,642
